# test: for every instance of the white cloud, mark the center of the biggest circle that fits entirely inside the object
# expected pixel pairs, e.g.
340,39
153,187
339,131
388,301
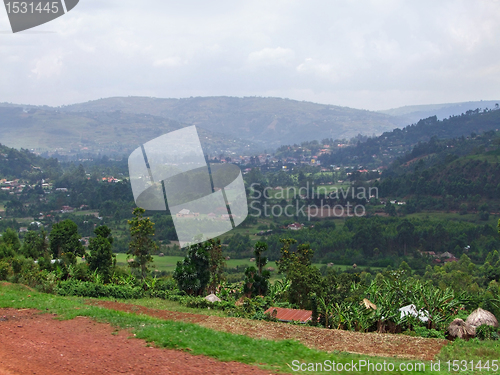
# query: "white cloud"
48,66
271,56
373,55
168,62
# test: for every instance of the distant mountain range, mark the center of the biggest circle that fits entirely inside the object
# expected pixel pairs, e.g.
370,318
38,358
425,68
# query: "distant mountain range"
269,121
413,113
226,124
111,133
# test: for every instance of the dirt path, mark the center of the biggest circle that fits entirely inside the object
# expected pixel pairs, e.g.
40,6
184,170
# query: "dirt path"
383,345
34,343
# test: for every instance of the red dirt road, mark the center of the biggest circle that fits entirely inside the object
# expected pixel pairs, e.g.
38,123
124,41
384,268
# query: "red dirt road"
34,343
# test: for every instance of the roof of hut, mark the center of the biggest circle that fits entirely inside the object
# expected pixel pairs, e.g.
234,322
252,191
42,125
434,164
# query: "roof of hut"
479,317
212,298
459,328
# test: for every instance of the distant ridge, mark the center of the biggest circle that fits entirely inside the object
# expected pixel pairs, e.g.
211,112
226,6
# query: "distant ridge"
413,113
268,121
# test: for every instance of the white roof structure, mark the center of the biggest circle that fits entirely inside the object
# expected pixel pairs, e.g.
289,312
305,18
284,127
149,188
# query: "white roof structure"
212,298
423,315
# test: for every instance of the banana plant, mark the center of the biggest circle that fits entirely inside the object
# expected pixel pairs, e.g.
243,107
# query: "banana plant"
151,283
278,290
325,309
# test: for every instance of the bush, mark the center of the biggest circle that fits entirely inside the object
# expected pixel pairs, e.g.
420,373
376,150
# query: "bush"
5,270
486,332
79,288
429,333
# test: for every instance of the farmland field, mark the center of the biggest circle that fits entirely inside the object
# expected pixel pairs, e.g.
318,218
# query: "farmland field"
168,263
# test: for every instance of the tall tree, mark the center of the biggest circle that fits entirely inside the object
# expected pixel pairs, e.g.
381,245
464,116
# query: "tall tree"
257,279
65,242
101,257
305,279
193,273
217,263
35,244
142,245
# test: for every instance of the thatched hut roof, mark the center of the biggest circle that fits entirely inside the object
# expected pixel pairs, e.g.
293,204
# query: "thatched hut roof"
212,298
479,317
459,328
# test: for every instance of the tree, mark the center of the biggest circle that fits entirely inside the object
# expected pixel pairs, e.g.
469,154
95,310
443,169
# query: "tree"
217,263
257,280
390,209
304,277
9,244
65,242
35,245
101,257
193,273
405,234
11,239
142,245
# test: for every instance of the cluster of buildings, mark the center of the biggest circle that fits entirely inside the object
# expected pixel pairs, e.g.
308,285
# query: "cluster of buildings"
12,187
445,257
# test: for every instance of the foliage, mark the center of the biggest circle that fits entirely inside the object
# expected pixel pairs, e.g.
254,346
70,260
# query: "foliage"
142,245
35,245
304,278
256,281
487,332
193,273
101,257
11,239
80,288
65,242
217,264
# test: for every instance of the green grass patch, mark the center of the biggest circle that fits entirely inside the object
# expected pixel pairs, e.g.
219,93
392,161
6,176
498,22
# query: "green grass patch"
168,264
473,349
439,215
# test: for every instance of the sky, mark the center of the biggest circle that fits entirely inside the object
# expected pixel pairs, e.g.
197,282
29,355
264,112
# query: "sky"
363,54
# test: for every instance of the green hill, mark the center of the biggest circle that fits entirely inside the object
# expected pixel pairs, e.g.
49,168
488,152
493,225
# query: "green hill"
386,148
24,164
112,133
413,113
270,121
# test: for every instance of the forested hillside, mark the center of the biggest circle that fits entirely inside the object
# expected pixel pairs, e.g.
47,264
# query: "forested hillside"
386,148
50,130
24,164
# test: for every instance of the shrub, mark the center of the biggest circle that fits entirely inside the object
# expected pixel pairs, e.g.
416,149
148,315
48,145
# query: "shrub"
5,270
430,333
79,288
486,332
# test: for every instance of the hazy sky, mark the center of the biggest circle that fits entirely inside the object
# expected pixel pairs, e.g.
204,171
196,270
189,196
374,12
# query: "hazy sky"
361,54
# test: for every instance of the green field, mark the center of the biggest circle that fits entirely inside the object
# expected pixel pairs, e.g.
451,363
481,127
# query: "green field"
168,263
493,219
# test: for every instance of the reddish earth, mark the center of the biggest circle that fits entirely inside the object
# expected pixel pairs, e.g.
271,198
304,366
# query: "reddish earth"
34,343
383,345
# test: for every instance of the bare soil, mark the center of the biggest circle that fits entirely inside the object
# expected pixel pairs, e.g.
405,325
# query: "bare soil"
35,343
373,344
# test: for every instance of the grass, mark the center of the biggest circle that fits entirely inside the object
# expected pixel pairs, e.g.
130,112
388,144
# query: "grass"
267,354
168,263
473,218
